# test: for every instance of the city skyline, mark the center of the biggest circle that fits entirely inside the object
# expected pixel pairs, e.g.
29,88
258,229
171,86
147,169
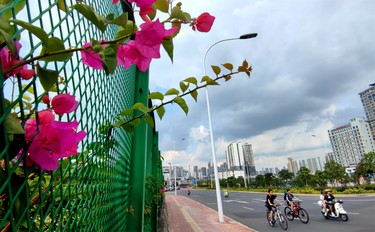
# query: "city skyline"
310,61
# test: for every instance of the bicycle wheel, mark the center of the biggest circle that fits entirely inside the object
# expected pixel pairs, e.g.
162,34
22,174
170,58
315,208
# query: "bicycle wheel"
283,222
288,213
303,215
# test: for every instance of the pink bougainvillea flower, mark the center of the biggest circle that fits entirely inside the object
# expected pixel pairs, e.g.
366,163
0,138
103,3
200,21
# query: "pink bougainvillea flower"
203,23
133,56
115,1
91,58
64,104
150,37
54,140
45,117
145,7
8,61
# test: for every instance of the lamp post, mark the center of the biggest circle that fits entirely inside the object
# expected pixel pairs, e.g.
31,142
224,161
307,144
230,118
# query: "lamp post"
217,183
325,146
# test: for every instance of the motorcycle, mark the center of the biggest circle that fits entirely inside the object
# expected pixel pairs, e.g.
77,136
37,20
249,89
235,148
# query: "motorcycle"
188,192
338,211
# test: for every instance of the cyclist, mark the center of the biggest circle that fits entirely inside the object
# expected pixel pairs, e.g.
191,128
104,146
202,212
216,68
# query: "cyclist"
270,201
288,197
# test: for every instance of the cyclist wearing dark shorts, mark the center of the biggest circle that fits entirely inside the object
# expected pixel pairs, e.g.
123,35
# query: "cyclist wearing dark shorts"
289,197
270,201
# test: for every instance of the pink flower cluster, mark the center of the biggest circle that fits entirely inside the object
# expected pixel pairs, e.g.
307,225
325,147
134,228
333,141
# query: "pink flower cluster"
146,45
139,51
7,61
51,140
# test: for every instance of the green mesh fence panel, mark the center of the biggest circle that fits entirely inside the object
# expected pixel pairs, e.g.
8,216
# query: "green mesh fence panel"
87,192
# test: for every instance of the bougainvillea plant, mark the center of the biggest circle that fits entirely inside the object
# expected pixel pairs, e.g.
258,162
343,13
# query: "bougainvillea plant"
48,140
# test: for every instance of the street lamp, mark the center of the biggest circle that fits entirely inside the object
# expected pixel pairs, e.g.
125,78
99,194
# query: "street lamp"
325,146
217,183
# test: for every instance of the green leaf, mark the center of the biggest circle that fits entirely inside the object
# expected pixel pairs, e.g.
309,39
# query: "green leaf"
216,69
136,122
47,77
128,128
54,45
245,64
227,77
13,125
90,14
109,59
96,46
139,106
228,66
156,95
118,123
121,20
191,80
160,111
168,46
38,32
148,119
61,5
162,5
11,45
19,5
181,102
183,86
194,95
127,112
172,91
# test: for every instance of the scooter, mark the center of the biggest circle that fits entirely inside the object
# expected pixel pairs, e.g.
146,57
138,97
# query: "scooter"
338,211
188,191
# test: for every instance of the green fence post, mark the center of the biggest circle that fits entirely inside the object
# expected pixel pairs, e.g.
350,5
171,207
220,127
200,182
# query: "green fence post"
155,173
135,220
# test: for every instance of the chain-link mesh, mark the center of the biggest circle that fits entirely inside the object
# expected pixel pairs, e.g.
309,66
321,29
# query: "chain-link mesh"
87,192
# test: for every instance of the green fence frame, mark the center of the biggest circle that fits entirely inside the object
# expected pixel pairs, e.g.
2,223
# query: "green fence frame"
113,183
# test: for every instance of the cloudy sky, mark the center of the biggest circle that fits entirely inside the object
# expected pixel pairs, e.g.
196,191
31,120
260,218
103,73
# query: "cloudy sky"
310,60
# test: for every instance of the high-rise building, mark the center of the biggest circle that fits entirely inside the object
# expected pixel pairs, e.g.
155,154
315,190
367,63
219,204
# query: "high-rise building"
351,141
240,159
249,160
290,165
368,102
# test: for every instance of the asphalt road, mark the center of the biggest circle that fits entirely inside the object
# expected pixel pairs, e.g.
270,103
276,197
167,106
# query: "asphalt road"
248,209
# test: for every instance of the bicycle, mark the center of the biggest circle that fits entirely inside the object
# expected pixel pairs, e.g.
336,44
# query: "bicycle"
277,216
297,212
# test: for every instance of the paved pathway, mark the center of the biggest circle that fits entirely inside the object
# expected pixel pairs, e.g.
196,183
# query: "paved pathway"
186,215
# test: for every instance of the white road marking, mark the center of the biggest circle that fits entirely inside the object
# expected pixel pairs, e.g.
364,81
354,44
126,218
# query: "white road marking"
243,202
248,208
353,213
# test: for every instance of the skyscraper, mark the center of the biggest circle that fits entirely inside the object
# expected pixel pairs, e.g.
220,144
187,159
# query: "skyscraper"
368,102
240,158
351,141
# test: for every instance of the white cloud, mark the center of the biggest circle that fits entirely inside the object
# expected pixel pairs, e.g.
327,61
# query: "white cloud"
310,61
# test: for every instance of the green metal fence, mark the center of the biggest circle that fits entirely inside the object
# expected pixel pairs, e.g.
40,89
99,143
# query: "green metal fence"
113,183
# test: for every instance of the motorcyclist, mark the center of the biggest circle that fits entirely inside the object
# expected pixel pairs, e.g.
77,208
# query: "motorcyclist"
226,194
321,202
329,200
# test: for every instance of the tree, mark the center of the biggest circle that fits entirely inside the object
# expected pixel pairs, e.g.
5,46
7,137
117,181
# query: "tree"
304,177
320,178
285,175
366,167
259,181
268,179
334,172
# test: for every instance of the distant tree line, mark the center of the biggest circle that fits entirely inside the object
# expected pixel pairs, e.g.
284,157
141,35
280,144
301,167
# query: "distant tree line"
333,174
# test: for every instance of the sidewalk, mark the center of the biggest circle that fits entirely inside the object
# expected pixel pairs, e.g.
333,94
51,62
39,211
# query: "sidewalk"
186,215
